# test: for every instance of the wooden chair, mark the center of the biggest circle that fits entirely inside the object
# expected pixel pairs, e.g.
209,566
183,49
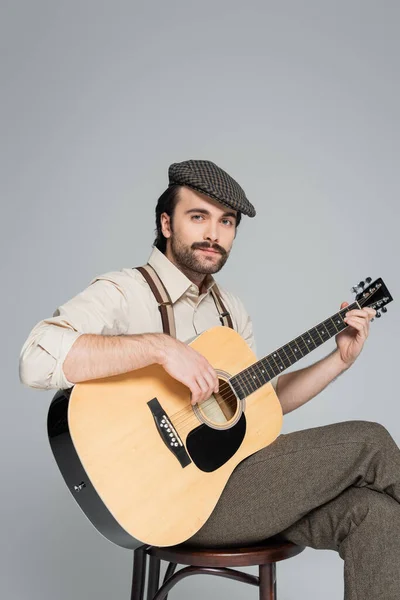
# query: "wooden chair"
209,561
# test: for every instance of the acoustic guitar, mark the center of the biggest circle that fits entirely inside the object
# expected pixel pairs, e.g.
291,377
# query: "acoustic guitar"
148,467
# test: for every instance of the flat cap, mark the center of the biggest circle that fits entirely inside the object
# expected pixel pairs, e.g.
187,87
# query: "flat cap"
205,176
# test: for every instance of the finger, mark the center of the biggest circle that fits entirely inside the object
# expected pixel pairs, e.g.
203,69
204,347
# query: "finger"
196,392
360,320
208,371
356,312
211,381
214,378
357,323
204,386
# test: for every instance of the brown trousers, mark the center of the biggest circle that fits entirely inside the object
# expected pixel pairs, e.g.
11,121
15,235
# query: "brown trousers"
334,487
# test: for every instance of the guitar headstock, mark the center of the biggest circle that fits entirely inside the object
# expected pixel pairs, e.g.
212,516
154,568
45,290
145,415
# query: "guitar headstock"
375,295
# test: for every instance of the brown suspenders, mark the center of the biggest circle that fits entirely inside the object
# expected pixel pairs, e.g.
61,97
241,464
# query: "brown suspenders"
224,315
165,305
162,297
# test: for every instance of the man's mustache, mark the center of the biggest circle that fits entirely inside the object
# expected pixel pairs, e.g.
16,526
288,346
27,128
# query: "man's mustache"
205,246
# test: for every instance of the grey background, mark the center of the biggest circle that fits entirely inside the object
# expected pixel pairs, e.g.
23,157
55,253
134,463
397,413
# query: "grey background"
297,101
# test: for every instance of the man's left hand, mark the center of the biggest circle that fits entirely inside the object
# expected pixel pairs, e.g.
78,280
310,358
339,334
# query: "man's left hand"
350,341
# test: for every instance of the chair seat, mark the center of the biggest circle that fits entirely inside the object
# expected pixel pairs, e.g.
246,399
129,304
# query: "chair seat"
256,554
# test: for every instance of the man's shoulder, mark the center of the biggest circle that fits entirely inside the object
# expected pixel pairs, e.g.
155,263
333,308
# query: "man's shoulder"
126,278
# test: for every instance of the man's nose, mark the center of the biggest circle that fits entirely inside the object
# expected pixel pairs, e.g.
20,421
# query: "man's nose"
211,232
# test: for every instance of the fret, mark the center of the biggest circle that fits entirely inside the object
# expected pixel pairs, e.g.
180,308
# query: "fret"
239,385
254,379
279,365
288,354
338,321
331,327
316,336
292,356
268,368
308,341
284,358
272,365
261,374
236,387
250,384
300,343
296,350
266,373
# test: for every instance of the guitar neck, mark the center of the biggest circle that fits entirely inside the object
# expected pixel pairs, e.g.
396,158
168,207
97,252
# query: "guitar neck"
261,372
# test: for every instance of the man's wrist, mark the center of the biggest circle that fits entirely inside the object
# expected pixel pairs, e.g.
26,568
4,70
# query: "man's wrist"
158,347
339,362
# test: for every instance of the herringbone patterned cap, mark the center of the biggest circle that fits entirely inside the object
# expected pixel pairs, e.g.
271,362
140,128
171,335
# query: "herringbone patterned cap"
205,176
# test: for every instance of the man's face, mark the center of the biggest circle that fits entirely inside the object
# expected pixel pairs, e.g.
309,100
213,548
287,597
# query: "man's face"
202,232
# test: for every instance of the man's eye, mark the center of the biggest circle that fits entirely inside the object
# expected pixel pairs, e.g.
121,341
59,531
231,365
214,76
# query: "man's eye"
228,221
197,216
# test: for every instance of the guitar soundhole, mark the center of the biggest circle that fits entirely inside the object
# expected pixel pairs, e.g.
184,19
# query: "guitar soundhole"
222,409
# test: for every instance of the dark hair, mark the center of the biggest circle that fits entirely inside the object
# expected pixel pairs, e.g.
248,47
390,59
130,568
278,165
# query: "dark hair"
166,204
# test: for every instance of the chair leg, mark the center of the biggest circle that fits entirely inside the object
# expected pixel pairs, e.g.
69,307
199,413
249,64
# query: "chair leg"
139,573
266,574
154,577
168,573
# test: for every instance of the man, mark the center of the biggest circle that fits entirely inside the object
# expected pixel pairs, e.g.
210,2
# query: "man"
335,487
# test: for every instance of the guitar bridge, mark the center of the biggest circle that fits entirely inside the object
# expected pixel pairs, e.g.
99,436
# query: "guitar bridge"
168,433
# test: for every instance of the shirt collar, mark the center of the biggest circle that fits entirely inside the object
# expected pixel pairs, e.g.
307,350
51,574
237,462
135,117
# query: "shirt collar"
174,280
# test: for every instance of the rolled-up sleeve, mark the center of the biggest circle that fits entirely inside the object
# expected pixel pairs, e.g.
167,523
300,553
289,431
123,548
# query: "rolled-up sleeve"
99,309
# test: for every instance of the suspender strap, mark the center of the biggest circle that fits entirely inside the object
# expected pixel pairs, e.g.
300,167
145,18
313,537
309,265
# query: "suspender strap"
224,315
162,297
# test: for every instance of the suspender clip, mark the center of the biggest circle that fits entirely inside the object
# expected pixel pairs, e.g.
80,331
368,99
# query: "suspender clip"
222,316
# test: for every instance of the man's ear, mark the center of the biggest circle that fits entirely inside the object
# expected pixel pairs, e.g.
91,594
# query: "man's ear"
165,224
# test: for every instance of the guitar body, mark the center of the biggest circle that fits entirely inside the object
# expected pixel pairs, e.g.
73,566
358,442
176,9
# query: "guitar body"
143,463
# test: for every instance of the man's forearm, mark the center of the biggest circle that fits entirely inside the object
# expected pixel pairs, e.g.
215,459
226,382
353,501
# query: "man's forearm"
296,388
94,356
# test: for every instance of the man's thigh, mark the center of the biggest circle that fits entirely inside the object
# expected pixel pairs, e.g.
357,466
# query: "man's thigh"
299,471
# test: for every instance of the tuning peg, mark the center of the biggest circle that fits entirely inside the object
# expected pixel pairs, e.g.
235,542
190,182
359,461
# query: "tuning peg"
361,285
368,280
378,314
384,309
354,289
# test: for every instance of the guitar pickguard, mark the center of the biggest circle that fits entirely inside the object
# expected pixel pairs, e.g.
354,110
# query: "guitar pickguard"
211,448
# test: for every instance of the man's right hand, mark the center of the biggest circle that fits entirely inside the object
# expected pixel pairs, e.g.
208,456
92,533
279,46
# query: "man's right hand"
189,367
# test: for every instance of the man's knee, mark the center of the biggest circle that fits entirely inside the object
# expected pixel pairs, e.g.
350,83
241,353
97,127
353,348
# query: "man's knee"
369,431
372,508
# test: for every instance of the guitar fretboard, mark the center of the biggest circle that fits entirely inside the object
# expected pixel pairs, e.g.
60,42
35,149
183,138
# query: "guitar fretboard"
259,373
